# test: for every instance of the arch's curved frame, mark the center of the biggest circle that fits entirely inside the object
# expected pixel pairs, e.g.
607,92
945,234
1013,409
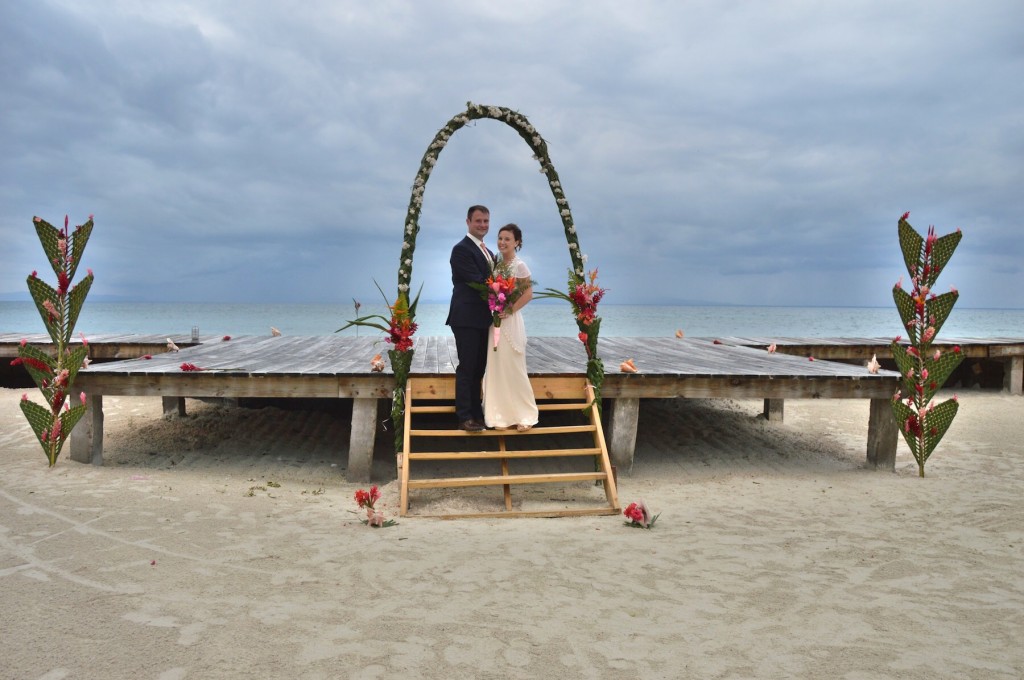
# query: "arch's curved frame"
404,312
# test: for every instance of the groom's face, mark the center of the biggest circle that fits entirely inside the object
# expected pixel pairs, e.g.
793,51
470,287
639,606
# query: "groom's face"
479,222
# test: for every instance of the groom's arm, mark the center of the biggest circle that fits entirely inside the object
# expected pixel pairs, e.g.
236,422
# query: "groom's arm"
465,266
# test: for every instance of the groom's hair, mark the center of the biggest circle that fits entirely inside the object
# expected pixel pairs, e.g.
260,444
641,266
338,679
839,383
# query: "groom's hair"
474,208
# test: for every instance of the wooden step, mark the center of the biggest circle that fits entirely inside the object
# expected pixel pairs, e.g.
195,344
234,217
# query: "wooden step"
498,455
567,512
450,408
494,480
562,394
555,429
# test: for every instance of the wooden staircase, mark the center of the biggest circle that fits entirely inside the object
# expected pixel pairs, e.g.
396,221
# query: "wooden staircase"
435,395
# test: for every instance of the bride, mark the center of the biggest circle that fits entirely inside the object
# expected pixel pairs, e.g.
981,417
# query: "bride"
507,393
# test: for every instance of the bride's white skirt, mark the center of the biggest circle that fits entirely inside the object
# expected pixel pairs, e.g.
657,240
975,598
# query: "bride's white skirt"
507,394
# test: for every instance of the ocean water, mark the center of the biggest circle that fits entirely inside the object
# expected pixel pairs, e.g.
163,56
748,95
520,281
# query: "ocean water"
543,319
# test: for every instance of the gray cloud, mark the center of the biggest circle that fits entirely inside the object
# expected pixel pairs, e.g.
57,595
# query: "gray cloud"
748,153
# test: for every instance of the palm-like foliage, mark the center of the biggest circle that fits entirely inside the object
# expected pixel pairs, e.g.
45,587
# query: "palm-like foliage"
59,308
924,369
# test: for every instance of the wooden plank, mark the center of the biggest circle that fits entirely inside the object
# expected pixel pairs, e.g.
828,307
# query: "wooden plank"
568,512
483,434
503,453
494,480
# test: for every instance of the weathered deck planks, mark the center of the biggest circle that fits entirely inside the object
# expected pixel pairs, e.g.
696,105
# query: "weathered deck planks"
337,366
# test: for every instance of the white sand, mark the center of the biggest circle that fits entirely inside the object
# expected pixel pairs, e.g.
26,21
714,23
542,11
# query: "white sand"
777,555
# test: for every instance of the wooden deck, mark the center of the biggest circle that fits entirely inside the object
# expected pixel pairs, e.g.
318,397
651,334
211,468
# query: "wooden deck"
339,367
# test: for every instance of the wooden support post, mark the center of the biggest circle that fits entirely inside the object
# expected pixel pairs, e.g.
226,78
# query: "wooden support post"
174,406
360,445
773,410
1013,375
87,437
622,431
882,435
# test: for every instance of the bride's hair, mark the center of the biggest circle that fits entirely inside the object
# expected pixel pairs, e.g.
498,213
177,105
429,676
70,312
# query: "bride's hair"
517,233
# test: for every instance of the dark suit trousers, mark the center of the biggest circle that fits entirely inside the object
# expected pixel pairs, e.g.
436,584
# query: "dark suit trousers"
471,344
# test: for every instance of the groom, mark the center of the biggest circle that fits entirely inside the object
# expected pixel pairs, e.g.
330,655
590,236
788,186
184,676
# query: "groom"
470,318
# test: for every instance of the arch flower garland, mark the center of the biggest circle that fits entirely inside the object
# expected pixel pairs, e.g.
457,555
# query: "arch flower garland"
581,295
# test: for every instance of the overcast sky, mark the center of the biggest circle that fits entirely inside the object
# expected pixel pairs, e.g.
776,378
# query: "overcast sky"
712,152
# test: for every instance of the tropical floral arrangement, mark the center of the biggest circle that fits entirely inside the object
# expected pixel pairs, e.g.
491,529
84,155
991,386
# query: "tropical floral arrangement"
398,329
529,134
922,422
501,290
584,295
374,517
59,308
639,516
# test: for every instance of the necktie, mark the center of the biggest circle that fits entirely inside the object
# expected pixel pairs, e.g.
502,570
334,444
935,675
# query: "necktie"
487,254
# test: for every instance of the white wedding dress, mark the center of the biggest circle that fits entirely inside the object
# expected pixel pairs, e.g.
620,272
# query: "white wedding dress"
507,393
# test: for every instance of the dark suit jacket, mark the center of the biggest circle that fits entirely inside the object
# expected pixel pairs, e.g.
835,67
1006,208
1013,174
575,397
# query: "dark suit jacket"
468,308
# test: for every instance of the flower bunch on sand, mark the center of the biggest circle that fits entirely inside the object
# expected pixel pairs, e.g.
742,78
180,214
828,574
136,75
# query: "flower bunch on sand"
640,516
374,517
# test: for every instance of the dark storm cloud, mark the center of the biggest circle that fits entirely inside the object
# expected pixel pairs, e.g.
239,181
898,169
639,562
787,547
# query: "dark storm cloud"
755,153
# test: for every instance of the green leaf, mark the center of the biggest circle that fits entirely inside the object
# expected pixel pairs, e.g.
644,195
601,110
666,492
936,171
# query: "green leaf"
68,420
940,306
939,371
904,360
74,363
41,292
936,423
79,238
942,250
40,419
908,311
38,375
901,412
76,298
912,246
48,237
365,322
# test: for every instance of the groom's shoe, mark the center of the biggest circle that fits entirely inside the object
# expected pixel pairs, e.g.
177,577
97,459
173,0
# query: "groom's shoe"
471,426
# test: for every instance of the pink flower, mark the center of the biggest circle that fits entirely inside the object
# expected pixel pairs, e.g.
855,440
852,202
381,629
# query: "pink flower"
81,395
905,215
89,271
225,338
187,367
23,342
810,358
24,397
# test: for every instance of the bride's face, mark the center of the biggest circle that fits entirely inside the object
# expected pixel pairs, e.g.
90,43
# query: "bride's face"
506,244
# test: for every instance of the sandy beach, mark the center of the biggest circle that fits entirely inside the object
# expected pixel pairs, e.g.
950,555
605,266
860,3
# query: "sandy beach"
224,545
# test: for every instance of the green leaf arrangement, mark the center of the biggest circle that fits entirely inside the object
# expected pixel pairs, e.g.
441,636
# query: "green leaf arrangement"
59,309
401,359
924,369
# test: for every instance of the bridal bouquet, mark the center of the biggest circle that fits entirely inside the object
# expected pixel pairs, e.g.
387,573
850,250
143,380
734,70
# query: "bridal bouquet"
500,291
